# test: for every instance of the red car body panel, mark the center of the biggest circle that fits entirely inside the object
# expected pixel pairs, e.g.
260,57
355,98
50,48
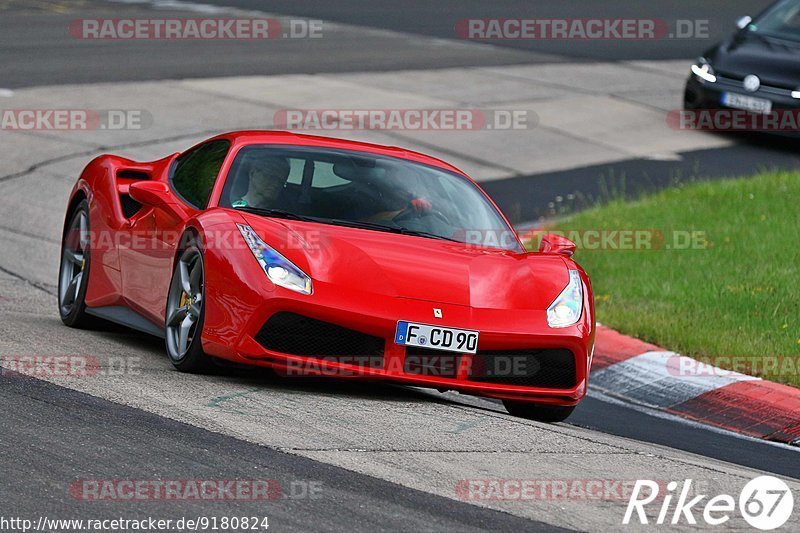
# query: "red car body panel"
363,280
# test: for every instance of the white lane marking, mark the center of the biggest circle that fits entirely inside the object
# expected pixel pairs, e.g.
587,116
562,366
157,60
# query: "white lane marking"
189,6
6,93
192,7
663,379
177,5
667,156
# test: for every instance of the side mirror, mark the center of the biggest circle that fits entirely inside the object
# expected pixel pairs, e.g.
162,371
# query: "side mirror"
151,193
556,244
743,22
156,194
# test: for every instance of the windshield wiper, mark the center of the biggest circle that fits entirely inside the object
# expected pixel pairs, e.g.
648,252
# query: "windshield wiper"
276,213
420,233
388,229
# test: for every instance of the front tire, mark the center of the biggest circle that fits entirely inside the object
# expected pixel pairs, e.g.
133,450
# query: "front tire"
539,412
73,275
185,313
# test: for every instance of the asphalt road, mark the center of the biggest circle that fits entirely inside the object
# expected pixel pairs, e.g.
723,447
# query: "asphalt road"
534,197
599,412
36,47
70,437
381,457
609,416
439,18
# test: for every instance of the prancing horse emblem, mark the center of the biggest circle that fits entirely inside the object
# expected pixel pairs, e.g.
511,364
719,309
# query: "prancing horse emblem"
437,313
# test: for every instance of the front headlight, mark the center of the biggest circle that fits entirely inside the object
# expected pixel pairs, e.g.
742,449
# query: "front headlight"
703,70
567,307
278,269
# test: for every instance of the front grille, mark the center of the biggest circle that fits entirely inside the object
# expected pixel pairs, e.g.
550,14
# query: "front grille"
427,362
549,368
295,334
738,83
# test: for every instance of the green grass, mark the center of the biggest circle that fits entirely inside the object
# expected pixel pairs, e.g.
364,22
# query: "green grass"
738,294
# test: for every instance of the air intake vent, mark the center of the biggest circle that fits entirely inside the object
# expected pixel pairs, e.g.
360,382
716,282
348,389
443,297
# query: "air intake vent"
130,174
295,334
549,368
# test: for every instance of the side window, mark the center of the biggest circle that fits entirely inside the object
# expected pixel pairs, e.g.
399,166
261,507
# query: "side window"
324,176
296,171
196,171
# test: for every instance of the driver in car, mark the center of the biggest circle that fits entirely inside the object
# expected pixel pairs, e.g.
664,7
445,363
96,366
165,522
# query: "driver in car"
397,199
263,179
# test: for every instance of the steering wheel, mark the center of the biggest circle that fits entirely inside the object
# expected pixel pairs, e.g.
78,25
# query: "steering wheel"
409,213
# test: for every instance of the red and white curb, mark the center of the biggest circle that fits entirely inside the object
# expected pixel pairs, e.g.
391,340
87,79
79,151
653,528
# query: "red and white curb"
648,375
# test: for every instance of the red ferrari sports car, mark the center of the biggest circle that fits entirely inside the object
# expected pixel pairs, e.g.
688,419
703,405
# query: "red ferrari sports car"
326,257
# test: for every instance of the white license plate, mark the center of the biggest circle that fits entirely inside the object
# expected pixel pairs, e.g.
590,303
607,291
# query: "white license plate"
436,337
748,103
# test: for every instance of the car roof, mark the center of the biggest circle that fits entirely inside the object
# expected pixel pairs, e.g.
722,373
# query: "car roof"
247,137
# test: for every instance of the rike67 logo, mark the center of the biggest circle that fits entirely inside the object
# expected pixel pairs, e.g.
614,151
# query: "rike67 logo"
765,503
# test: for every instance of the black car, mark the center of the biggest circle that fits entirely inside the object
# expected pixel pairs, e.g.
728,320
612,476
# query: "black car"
757,69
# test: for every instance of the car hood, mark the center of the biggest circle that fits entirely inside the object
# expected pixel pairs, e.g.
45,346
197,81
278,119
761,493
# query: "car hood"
403,266
772,60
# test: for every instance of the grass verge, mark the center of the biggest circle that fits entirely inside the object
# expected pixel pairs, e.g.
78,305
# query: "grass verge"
710,270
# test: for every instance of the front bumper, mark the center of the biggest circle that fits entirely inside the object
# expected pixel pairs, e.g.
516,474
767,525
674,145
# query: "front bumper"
701,94
507,331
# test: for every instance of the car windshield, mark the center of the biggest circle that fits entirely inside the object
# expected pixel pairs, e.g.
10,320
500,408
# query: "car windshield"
363,190
782,21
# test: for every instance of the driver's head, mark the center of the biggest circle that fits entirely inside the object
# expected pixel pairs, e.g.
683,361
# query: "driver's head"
267,175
